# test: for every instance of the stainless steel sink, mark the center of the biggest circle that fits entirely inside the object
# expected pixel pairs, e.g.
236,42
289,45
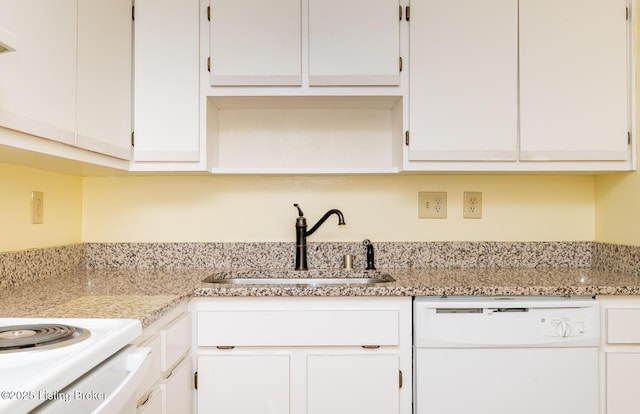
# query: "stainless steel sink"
298,277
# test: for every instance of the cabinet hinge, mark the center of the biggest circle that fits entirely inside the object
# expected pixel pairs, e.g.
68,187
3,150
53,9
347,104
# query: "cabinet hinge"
195,380
133,13
407,13
399,379
133,139
209,63
400,63
209,13
400,11
406,138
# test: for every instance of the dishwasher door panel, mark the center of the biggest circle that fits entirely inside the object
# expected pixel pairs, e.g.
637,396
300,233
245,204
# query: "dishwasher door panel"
506,380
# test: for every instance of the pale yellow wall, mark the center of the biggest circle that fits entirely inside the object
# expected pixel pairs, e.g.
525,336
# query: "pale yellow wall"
618,208
62,208
383,208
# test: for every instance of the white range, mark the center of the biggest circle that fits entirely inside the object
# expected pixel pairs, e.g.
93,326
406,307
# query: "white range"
69,365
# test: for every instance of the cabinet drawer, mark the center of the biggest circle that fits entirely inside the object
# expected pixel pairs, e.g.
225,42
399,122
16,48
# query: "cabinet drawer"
153,405
177,389
175,341
153,375
298,328
623,326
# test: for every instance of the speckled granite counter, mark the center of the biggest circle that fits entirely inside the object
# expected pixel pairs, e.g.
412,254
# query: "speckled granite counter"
138,294
147,294
460,281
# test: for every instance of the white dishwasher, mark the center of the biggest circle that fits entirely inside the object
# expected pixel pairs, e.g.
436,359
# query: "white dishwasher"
506,355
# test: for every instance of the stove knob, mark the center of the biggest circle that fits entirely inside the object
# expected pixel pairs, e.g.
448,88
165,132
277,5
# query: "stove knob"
563,329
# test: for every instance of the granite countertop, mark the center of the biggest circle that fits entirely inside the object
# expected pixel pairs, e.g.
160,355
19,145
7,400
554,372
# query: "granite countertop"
146,294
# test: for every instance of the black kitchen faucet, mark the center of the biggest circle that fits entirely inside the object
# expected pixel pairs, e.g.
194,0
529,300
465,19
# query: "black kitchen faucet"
302,234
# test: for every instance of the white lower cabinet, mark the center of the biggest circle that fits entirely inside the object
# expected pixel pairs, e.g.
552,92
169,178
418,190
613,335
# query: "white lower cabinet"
303,355
244,383
166,389
344,384
153,404
620,355
623,382
176,389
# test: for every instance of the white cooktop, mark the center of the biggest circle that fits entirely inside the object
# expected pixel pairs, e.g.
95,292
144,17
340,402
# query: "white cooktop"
29,378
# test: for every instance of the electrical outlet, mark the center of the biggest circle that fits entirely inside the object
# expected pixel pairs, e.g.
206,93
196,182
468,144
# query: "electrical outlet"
37,207
472,205
432,205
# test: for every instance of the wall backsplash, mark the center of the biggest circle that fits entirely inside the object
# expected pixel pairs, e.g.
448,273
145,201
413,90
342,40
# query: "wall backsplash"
35,264
329,254
30,265
616,257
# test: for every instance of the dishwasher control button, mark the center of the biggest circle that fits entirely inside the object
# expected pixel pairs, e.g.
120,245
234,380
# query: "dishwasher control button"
563,329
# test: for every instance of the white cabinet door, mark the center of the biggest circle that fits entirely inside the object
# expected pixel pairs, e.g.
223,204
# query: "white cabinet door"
573,80
38,81
346,384
177,389
166,106
622,383
255,42
463,80
104,77
241,384
353,42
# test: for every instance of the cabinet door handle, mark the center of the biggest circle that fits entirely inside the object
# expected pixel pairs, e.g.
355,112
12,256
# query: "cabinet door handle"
371,346
225,346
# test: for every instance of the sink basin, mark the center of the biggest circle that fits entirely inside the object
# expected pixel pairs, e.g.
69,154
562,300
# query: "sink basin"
297,277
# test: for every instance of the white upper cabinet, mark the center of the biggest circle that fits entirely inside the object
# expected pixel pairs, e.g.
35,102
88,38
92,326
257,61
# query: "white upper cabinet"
573,80
303,86
529,85
166,87
304,43
70,80
354,42
255,42
104,77
464,80
38,81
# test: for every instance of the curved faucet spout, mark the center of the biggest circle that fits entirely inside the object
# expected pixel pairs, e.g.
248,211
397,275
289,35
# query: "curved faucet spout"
324,218
302,233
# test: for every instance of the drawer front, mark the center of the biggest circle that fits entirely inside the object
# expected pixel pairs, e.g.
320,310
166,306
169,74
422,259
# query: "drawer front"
153,405
153,375
178,389
298,328
623,326
176,340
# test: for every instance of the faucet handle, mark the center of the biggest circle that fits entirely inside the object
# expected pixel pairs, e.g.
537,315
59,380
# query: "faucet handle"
300,213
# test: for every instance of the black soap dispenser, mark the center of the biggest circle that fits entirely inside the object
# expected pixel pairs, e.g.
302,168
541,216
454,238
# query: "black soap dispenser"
370,259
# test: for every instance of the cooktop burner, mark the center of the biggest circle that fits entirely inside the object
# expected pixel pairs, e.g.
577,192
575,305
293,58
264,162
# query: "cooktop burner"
39,336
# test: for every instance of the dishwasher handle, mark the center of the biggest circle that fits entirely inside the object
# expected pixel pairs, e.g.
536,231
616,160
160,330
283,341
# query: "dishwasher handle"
507,310
480,310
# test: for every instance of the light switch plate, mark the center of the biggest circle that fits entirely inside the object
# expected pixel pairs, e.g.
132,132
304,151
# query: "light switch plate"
37,207
432,205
